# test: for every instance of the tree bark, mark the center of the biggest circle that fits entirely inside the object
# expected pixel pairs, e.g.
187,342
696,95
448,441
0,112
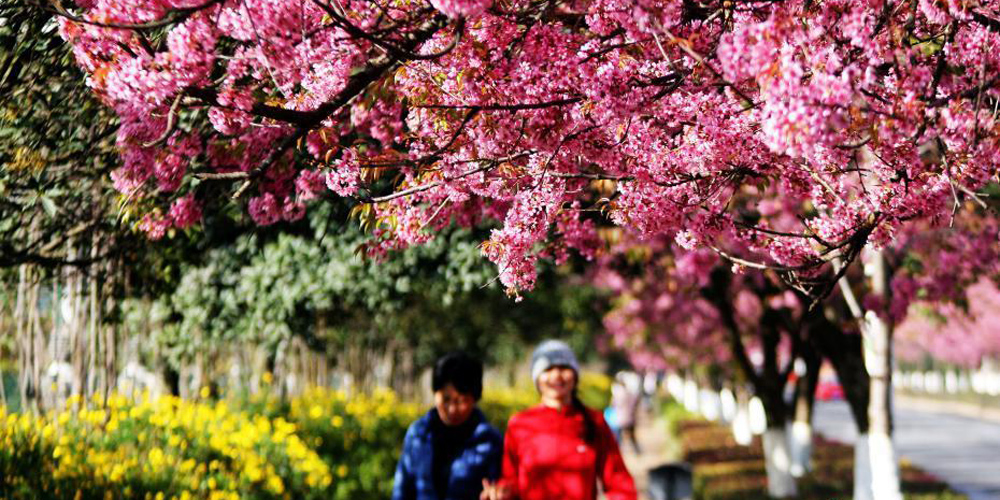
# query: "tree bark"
768,384
36,349
877,334
843,350
800,433
771,384
21,332
94,378
777,463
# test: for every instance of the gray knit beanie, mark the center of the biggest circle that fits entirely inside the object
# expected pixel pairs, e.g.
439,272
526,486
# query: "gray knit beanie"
552,353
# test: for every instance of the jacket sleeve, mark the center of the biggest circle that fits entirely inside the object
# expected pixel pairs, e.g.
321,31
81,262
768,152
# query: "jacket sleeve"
404,485
493,466
508,475
615,478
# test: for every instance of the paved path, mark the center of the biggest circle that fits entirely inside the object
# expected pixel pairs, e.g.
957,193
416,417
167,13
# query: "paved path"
963,451
657,446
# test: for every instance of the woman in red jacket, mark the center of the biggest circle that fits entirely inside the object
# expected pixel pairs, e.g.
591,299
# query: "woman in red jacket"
559,449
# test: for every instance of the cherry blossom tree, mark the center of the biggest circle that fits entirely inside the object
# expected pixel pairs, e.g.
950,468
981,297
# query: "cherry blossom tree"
781,135
952,333
860,116
658,317
681,308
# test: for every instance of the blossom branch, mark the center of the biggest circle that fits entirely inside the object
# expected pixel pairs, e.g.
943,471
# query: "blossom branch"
174,16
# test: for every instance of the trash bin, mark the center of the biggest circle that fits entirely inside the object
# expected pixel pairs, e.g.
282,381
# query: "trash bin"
671,482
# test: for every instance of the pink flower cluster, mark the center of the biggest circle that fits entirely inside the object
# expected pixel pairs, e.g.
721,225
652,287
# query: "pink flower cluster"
783,132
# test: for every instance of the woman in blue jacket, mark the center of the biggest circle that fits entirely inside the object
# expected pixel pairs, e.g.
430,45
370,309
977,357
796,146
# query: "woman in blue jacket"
449,451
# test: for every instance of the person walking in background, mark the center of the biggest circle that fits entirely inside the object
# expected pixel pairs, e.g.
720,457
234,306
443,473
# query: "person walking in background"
625,399
560,449
450,451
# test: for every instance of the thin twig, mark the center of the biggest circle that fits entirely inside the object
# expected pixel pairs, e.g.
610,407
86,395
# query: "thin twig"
171,121
431,185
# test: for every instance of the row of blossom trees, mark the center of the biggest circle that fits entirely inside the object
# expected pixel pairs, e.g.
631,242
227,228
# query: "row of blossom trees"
782,136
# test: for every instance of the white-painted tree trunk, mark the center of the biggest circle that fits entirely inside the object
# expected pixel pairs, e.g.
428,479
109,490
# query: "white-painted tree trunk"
757,416
876,470
800,445
741,426
691,396
878,455
727,401
862,469
710,404
777,462
675,385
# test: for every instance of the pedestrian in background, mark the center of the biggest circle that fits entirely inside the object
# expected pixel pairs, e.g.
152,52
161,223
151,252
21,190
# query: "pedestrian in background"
450,451
560,449
625,398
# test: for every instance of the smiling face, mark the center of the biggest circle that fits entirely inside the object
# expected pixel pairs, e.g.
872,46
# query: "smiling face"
453,407
556,385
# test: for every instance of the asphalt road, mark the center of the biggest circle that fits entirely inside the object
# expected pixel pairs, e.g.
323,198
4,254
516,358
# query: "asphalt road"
962,451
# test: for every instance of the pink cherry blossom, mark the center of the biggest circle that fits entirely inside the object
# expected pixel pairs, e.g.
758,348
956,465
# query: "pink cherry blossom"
781,134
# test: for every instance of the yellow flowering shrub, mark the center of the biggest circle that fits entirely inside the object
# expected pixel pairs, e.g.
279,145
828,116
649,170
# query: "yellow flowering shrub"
360,437
595,390
322,444
167,448
498,404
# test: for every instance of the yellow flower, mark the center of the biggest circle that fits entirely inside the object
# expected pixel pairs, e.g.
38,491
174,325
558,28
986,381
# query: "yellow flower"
253,473
155,457
316,411
342,470
205,392
275,484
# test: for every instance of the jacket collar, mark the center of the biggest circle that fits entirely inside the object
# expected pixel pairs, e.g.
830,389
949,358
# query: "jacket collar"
477,417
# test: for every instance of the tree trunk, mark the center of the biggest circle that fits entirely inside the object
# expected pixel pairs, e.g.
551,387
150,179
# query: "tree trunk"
768,384
881,481
777,463
741,421
777,450
844,352
21,332
94,378
800,433
36,353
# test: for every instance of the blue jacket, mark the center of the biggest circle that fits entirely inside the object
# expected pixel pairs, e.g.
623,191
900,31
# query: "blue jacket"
478,459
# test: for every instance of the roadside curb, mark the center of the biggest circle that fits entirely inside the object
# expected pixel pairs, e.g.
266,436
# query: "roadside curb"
948,407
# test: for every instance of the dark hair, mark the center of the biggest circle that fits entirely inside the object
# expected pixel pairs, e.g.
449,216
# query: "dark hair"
589,427
460,370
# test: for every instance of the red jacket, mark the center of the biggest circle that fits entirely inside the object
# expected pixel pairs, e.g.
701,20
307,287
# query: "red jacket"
546,458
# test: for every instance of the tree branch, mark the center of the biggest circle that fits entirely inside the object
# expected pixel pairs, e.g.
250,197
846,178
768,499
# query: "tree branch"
172,17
